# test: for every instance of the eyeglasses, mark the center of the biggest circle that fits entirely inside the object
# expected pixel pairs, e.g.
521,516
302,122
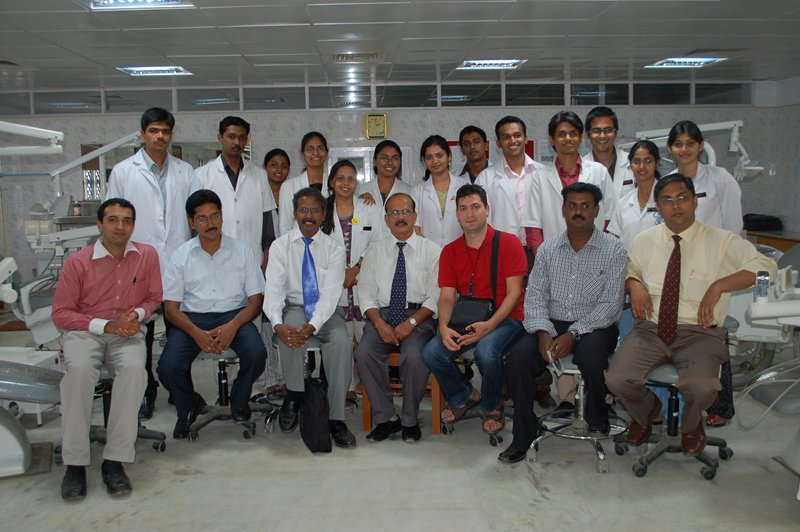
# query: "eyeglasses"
387,158
203,220
668,201
397,214
642,162
606,130
574,134
343,178
315,149
432,156
313,210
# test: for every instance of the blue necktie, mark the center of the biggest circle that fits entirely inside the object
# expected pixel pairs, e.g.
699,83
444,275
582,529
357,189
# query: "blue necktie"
397,299
310,286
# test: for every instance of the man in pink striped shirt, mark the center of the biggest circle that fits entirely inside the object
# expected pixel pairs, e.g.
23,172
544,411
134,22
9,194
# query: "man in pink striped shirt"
104,293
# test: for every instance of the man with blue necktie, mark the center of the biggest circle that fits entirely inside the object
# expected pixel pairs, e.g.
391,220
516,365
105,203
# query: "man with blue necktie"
305,275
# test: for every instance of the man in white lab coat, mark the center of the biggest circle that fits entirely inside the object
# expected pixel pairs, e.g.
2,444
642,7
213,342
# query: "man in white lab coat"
602,127
157,183
241,185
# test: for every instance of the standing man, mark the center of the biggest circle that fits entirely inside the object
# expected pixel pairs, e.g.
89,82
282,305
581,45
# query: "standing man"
602,126
573,301
475,147
398,291
104,293
680,275
213,291
158,184
242,186
465,269
305,275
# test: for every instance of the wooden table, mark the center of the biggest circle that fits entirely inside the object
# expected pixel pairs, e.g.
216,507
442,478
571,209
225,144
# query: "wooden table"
782,240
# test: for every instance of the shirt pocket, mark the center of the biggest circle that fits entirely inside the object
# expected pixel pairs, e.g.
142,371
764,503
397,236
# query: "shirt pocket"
696,285
593,283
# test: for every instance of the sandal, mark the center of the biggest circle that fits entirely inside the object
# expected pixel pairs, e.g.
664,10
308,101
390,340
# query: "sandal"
494,415
459,411
351,401
715,420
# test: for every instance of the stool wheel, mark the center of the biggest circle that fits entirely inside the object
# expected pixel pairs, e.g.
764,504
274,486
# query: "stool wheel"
621,449
708,472
160,446
639,470
193,436
602,466
532,454
246,434
725,453
495,439
447,428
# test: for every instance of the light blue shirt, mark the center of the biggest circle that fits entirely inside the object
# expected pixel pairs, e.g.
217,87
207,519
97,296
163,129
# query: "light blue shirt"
213,283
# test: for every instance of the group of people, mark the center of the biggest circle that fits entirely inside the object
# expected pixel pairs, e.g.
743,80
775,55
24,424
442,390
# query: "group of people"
384,265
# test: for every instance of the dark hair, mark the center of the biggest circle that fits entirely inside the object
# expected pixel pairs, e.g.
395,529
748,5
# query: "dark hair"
472,129
233,121
509,119
379,148
649,146
433,140
327,223
684,126
157,114
601,111
120,202
310,135
201,197
308,192
469,190
672,178
409,196
580,187
564,116
274,153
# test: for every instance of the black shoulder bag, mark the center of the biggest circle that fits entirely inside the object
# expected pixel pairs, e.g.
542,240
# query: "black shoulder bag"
470,309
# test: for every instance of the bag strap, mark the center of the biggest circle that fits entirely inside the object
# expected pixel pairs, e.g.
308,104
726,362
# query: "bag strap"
493,266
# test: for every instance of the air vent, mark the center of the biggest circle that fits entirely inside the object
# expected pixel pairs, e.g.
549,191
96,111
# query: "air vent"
357,58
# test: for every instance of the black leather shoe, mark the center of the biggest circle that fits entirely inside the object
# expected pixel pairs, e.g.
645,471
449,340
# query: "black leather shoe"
565,410
73,487
412,434
200,407
383,430
181,430
512,454
115,479
341,435
287,417
599,428
240,414
147,407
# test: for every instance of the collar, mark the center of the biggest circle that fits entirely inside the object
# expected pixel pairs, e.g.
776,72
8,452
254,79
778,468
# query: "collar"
594,240
527,169
560,169
297,235
151,163
413,241
472,176
100,250
689,234
228,169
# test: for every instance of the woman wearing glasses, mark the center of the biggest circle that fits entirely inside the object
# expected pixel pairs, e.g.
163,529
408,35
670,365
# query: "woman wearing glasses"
314,151
436,194
387,162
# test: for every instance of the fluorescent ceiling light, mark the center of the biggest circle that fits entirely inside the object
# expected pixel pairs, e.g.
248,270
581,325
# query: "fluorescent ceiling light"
73,105
124,5
686,62
590,93
213,101
453,98
156,71
491,64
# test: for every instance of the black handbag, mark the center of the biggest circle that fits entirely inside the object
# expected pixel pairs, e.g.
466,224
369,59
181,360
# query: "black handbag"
470,309
313,413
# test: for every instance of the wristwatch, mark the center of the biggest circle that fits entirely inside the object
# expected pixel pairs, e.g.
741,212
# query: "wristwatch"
575,335
412,321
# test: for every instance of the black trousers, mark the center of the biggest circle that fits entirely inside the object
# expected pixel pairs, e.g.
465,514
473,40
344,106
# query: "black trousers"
151,390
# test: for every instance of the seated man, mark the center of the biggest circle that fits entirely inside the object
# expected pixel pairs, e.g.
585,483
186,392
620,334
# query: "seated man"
104,293
574,298
464,268
680,275
305,275
398,290
213,291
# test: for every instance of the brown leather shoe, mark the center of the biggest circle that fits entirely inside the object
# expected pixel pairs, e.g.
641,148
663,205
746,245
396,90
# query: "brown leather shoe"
543,397
694,442
638,434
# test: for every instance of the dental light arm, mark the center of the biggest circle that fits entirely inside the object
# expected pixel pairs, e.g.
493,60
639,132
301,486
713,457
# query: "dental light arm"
53,138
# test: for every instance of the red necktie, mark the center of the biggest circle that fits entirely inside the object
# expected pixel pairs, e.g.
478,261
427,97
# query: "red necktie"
668,308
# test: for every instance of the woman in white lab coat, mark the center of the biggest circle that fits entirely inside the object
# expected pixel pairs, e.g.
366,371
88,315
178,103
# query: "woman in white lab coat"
436,194
387,162
277,165
314,151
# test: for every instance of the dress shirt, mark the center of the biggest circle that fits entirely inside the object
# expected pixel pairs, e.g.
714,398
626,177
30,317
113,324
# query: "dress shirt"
422,273
159,173
285,275
719,198
213,283
629,220
622,177
586,287
95,288
707,254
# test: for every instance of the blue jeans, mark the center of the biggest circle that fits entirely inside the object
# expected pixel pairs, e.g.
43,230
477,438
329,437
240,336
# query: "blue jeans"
489,354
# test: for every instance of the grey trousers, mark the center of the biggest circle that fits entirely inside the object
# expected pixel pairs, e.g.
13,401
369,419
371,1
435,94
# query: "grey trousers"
372,357
697,354
337,357
84,353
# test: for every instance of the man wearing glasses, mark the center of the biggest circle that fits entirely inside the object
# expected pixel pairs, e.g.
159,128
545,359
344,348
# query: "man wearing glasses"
213,289
305,275
680,275
398,291
602,126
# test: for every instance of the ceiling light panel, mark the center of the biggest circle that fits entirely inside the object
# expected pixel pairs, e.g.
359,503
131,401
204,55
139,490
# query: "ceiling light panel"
155,71
126,5
686,62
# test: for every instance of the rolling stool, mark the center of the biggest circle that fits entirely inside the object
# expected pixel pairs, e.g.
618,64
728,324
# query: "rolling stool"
665,376
577,428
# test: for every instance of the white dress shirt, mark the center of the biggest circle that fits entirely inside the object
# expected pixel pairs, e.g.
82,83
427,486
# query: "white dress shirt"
629,220
719,198
422,273
441,228
623,179
285,275
286,207
213,283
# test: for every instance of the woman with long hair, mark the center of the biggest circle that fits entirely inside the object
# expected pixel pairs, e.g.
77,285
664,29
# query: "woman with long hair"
387,162
314,151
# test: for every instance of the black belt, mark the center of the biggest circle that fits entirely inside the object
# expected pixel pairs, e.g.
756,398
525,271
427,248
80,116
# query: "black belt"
412,306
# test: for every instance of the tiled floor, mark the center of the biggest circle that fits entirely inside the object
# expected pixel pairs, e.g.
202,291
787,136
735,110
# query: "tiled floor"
271,482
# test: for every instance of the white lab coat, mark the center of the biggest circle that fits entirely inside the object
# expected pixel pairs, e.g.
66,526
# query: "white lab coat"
372,187
366,229
501,192
623,179
629,220
543,210
719,198
288,190
242,209
166,229
441,229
